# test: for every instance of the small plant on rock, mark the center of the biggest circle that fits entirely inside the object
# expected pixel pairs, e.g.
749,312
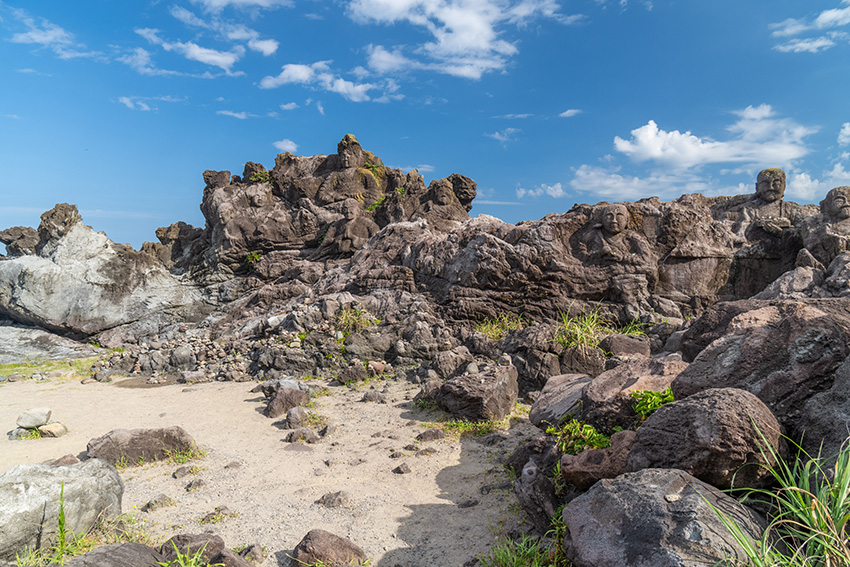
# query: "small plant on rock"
648,401
498,328
251,260
354,320
584,331
259,177
575,436
633,328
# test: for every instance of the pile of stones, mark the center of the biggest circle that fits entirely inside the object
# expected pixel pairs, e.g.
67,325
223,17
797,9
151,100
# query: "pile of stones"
35,423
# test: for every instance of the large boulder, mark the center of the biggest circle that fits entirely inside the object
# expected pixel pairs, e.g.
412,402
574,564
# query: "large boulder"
717,435
31,495
490,394
325,548
131,447
824,423
584,469
783,352
606,401
654,518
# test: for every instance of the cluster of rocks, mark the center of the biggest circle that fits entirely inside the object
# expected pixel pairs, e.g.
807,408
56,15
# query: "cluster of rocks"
338,266
35,423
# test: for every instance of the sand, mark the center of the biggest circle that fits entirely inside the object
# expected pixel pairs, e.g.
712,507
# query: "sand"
437,515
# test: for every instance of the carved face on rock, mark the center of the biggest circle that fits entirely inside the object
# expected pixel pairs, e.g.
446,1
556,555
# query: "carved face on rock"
770,184
837,204
614,219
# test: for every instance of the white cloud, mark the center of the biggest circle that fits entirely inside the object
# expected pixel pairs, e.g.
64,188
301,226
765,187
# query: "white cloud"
50,36
505,136
811,45
265,46
140,60
142,102
844,135
286,146
133,104
218,5
12,116
556,191
514,116
320,108
760,137
239,115
465,34
289,106
569,113
803,186
227,30
319,75
192,51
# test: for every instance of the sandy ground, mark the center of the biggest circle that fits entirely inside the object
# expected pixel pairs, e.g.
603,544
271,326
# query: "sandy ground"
436,515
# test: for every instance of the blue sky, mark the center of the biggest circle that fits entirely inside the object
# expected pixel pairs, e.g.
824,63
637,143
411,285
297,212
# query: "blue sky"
118,107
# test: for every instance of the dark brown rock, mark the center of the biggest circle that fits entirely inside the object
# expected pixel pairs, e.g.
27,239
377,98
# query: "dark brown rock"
284,400
119,555
19,240
491,394
719,436
321,546
617,344
191,544
591,465
134,446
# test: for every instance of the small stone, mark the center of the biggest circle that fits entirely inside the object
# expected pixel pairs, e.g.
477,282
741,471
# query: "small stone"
373,396
19,433
426,451
468,503
195,485
180,472
233,465
35,417
402,469
339,499
396,455
54,429
302,434
68,459
14,377
161,501
252,553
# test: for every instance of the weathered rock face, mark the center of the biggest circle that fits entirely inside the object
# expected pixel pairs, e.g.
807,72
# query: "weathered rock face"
134,446
783,352
82,283
591,465
30,498
561,397
320,546
825,420
19,240
119,555
654,518
717,436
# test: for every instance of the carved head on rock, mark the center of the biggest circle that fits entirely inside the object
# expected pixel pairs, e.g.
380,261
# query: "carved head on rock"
614,219
836,205
770,184
350,152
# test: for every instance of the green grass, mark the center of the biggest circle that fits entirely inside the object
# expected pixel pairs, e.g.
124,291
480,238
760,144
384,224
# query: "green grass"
498,328
183,457
354,320
78,367
376,204
585,330
527,552
251,259
809,512
259,177
647,401
575,436
185,559
633,329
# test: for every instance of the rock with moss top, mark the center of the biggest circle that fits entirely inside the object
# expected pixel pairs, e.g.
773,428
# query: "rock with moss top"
130,447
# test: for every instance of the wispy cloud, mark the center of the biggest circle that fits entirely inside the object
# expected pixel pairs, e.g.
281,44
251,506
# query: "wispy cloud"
555,190
239,115
844,135
514,116
289,106
227,30
286,145
143,103
33,72
12,116
140,59
569,113
821,28
505,136
50,36
319,75
224,60
466,37
218,5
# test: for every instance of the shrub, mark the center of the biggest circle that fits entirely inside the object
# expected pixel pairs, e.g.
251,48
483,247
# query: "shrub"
259,177
354,320
575,436
648,401
584,330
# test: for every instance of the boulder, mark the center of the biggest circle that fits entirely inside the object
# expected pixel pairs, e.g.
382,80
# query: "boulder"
320,546
584,469
606,401
560,398
30,501
450,362
490,394
784,353
33,418
824,422
191,544
134,446
717,436
536,494
617,344
654,518
19,240
119,555
284,400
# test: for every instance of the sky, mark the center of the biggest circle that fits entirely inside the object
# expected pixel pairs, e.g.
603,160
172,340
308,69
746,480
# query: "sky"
119,107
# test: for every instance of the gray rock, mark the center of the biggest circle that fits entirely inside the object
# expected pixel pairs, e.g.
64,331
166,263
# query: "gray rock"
191,544
341,499
302,434
654,518
319,546
119,555
54,429
618,344
34,418
296,417
536,493
825,419
591,465
448,363
717,436
30,499
561,397
284,400
491,394
132,446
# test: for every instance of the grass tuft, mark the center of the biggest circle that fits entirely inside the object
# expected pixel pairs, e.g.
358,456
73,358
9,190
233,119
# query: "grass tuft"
498,328
575,436
585,330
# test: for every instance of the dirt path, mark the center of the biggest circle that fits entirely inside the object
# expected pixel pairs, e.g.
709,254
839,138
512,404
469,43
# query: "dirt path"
434,515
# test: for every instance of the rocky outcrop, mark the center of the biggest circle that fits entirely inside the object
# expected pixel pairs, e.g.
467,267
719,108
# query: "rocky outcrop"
31,495
82,283
654,518
725,437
